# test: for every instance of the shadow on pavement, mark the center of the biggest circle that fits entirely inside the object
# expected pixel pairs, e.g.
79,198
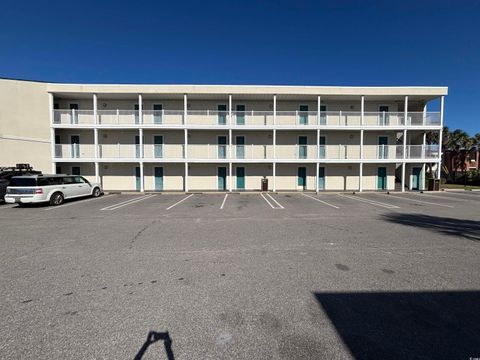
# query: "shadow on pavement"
152,338
406,325
469,229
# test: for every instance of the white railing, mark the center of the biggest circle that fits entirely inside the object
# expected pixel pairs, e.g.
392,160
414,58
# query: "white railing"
207,151
252,152
164,151
73,117
423,152
163,117
383,152
247,118
74,151
119,151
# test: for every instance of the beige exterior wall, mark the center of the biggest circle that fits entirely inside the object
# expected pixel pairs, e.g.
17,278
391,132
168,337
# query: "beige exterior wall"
173,176
287,176
25,124
370,176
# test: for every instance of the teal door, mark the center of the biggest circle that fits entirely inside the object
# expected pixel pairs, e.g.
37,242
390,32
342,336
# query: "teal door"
240,114
158,146
158,178
321,178
240,147
382,178
222,178
74,108
383,147
321,149
302,147
137,113
302,177
75,170
157,113
303,114
416,178
383,116
137,146
240,178
222,114
222,147
75,144
323,115
137,179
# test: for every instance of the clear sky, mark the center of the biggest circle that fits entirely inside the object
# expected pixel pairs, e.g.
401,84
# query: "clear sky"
432,43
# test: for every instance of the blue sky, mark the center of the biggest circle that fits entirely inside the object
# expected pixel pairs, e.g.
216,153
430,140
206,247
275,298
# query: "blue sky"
250,42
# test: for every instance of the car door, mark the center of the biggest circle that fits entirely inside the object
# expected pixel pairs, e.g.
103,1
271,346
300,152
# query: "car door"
83,186
69,187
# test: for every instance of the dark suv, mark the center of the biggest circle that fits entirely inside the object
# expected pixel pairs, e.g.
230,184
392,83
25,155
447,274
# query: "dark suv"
6,174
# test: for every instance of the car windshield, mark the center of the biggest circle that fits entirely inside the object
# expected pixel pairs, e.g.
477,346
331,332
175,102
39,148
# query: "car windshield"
23,182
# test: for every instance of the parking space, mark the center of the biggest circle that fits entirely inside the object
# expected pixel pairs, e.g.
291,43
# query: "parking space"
251,204
218,270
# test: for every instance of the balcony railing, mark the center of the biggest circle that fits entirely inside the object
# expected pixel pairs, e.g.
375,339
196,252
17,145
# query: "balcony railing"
245,118
248,152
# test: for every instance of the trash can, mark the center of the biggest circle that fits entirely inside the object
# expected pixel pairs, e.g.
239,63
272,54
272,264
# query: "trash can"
264,184
433,184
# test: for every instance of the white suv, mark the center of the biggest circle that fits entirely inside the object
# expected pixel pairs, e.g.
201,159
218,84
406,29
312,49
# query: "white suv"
49,188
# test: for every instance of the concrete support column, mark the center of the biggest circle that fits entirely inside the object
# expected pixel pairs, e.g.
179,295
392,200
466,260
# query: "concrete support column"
362,110
140,108
95,142
274,171
97,172
185,183
316,177
52,132
185,109
360,174
404,157
142,182
140,142
318,109
230,160
95,109
440,138
230,121
318,153
274,109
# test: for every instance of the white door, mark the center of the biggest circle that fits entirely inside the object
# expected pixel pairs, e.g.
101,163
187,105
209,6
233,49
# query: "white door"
69,187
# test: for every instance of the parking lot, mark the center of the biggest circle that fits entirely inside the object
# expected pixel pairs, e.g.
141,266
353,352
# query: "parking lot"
244,276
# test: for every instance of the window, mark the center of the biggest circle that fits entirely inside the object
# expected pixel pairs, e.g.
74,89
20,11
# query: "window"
79,180
68,180
23,182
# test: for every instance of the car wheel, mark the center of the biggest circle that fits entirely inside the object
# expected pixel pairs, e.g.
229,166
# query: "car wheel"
96,192
56,199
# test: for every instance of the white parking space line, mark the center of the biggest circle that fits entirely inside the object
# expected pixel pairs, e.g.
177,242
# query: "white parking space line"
180,201
74,202
278,206
223,202
436,197
457,193
128,202
321,201
417,201
371,202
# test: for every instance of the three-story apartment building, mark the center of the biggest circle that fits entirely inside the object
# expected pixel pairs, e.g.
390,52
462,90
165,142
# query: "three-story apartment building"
228,138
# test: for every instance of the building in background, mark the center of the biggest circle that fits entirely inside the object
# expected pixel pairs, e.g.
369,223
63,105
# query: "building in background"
223,137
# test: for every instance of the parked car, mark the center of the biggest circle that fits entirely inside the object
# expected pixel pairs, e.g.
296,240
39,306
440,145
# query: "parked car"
6,173
49,188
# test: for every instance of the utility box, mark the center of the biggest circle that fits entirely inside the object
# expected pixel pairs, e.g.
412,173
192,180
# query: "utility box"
264,184
433,184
